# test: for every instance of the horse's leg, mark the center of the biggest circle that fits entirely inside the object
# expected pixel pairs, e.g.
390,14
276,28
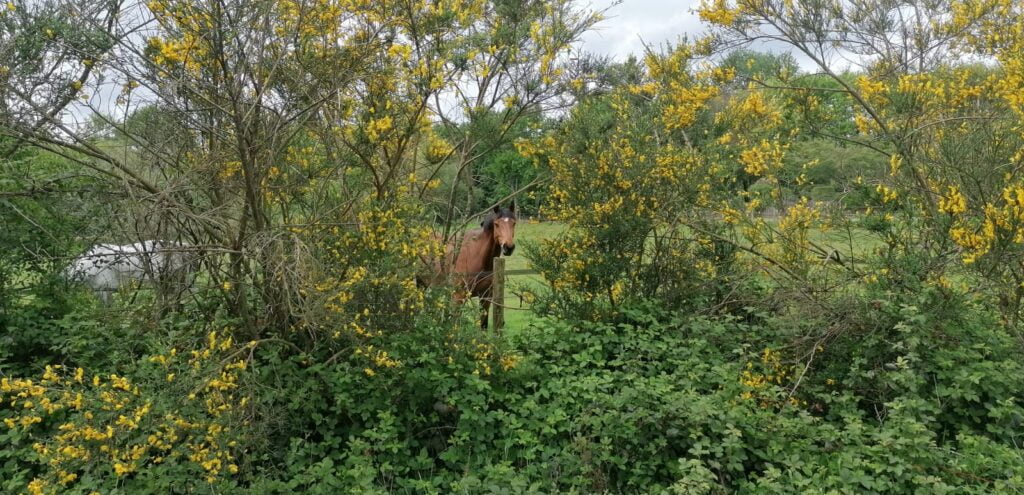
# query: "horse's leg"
485,303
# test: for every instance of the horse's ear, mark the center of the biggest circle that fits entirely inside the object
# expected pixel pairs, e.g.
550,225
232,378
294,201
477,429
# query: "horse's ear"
497,210
512,206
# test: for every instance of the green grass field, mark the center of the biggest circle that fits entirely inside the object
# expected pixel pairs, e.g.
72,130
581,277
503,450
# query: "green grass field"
853,244
526,232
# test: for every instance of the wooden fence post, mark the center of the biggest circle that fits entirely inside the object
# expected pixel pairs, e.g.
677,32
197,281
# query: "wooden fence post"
498,294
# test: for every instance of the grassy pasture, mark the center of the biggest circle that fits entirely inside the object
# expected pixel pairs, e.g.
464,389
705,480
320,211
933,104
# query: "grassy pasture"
526,232
854,244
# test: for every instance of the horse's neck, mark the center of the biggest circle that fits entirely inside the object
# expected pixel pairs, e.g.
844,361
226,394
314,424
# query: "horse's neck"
478,252
492,253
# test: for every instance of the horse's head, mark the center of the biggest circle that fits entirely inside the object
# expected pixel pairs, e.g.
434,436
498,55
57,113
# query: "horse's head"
503,221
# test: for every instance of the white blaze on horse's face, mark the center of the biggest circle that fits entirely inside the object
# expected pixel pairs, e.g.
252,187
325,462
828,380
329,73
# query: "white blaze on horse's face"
505,234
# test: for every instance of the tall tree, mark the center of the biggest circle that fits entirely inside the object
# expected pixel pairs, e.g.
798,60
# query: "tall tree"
238,125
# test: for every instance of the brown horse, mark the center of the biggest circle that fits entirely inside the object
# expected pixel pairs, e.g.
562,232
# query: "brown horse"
472,265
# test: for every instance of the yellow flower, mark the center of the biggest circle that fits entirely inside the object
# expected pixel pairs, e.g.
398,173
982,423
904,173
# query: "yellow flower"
953,202
401,51
510,361
717,12
121,469
66,477
377,127
763,158
886,193
894,164
36,487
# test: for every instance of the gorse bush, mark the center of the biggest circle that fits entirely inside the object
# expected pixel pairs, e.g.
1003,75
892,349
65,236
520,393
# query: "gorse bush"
630,171
109,433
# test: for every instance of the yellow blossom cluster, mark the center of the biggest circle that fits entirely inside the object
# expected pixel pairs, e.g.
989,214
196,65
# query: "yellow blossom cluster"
545,35
753,141
1001,224
684,103
991,225
486,357
718,12
886,193
754,110
187,43
799,217
871,90
437,149
108,427
655,164
376,359
186,52
376,259
683,91
794,229
760,379
376,129
953,202
313,20
763,158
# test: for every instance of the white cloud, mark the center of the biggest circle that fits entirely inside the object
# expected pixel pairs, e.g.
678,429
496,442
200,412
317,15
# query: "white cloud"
633,23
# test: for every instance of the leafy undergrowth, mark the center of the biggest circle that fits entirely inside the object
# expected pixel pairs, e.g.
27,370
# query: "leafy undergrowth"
651,402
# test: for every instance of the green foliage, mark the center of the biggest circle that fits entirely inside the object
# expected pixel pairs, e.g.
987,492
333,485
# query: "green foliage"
655,402
631,170
821,105
826,170
907,394
607,75
759,67
167,422
498,170
41,201
685,347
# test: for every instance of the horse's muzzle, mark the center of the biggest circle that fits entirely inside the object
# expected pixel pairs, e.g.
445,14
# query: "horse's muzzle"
507,249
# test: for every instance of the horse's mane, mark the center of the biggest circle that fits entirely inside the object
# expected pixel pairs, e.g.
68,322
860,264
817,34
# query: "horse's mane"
488,222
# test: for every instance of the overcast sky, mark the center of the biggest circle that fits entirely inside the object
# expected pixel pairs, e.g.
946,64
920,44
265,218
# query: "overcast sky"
632,23
627,27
